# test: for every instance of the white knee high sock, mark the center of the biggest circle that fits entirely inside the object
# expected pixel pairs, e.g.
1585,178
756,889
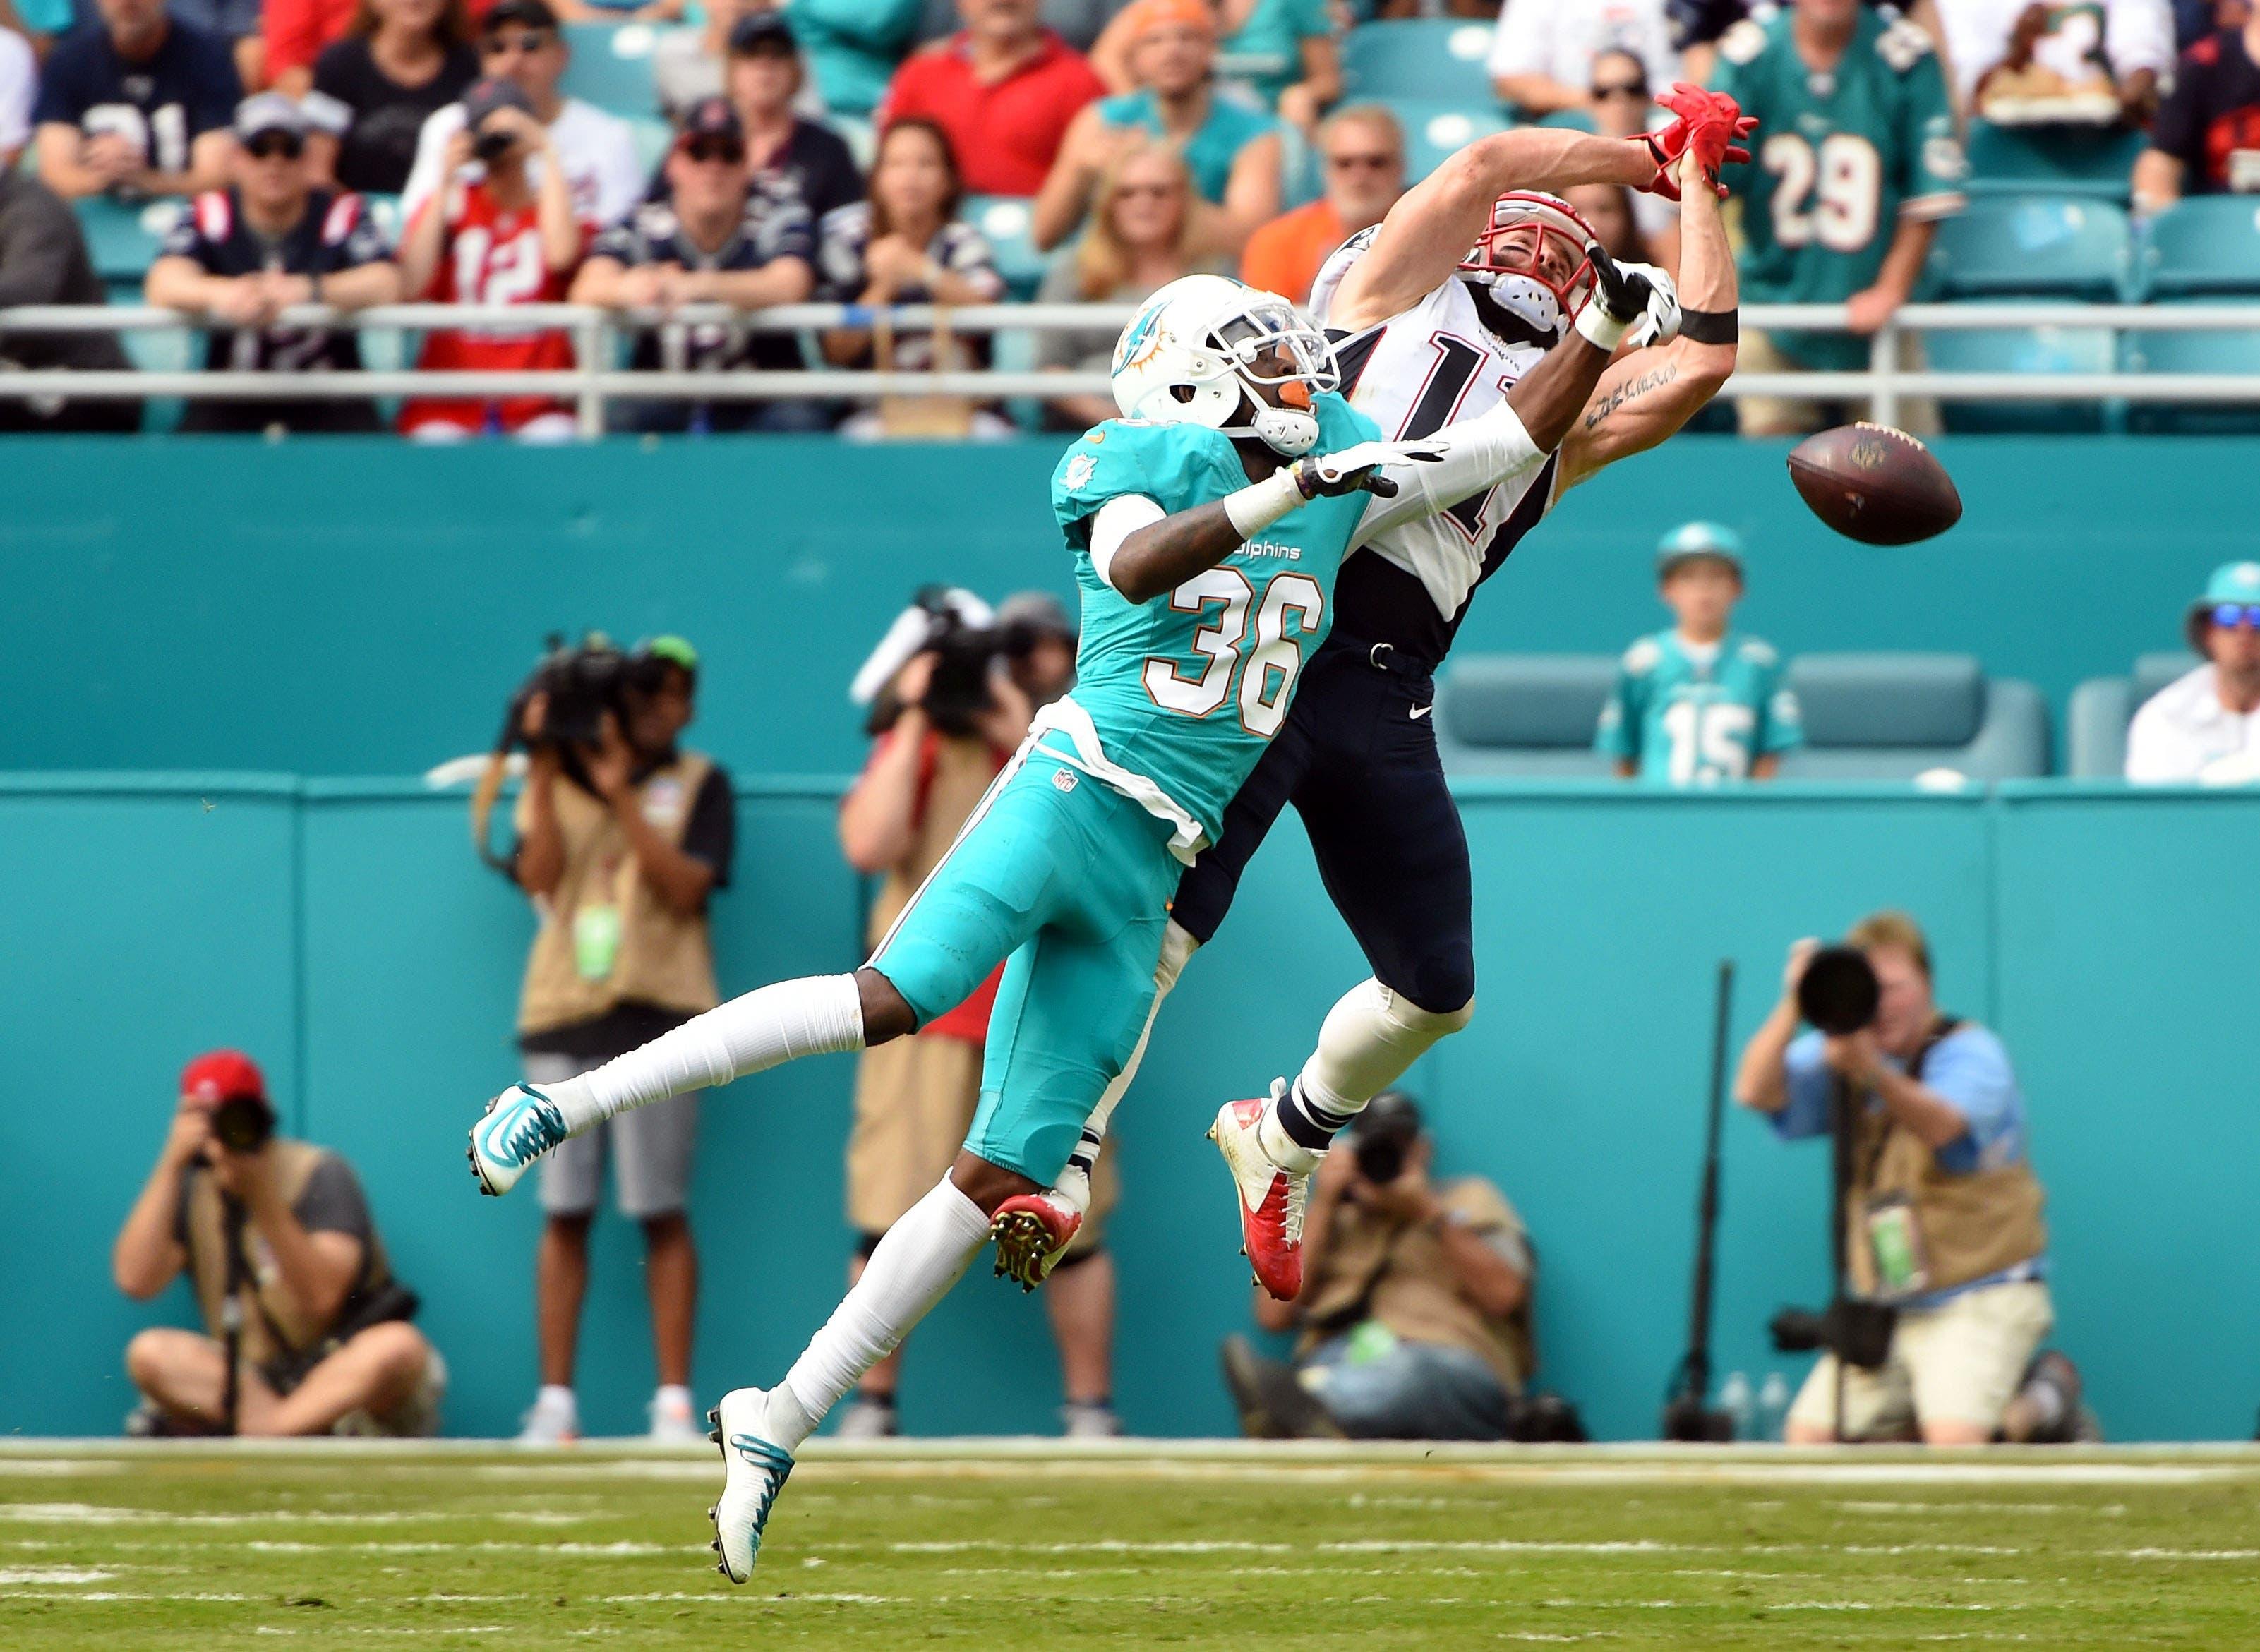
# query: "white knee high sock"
772,1025
1365,1044
913,1267
1073,1187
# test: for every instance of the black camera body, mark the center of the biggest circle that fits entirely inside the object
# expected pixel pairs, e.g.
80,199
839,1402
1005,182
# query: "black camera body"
958,692
243,1123
1384,1134
582,683
491,145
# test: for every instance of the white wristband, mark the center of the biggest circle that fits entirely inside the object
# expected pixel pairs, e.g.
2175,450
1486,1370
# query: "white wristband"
1258,505
1600,329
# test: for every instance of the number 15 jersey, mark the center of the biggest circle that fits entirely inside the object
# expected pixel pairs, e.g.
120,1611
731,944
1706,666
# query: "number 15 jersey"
1175,698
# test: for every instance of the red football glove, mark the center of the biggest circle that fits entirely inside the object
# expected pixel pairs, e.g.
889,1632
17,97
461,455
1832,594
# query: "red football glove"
1706,122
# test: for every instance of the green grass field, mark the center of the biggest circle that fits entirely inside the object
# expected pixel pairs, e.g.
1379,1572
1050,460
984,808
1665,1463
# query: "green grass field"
122,1550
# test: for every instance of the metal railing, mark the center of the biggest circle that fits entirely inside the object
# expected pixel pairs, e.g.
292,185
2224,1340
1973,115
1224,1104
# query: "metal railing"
594,380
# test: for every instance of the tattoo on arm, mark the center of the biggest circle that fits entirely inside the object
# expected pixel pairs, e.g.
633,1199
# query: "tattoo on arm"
1655,378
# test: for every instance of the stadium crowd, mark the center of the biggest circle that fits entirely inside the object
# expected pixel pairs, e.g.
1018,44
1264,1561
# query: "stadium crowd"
878,152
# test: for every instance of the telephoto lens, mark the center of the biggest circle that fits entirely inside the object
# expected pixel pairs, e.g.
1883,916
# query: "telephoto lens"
1838,991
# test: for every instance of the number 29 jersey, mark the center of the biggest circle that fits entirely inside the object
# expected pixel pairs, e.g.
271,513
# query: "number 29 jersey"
1419,370
1177,697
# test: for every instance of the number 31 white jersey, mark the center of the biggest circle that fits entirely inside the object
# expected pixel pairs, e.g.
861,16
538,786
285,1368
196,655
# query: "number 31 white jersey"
1427,367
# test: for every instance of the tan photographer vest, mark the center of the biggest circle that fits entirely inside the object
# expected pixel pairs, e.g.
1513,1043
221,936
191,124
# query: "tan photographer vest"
1971,1224
963,767
1385,1271
606,937
274,1324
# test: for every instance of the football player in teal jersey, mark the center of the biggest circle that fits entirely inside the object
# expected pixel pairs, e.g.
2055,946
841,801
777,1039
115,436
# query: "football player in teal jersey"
1700,704
1207,524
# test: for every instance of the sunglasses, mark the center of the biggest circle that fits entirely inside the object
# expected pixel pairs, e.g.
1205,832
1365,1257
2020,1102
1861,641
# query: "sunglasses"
503,45
268,144
1378,163
713,149
2228,616
1622,88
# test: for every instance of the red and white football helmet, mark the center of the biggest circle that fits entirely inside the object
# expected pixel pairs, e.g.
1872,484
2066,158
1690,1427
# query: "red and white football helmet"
1510,260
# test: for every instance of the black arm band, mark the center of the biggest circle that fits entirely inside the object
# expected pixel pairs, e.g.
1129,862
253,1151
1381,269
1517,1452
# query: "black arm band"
1711,326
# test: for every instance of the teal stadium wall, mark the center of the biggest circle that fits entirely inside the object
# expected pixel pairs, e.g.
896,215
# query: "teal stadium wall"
342,931
359,607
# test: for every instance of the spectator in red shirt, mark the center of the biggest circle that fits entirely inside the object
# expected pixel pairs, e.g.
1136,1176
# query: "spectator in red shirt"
1003,88
500,238
2207,135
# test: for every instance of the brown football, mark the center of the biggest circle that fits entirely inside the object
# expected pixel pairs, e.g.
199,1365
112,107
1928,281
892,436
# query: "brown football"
1876,484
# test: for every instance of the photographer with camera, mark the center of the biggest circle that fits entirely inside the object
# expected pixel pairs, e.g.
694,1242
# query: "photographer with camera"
1415,1313
623,837
952,688
306,1331
1945,1249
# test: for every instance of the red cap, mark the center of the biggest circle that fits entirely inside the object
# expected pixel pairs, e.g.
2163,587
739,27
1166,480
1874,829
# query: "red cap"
216,1075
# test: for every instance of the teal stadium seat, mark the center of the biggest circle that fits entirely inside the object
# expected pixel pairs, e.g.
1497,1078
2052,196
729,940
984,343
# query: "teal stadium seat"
2035,246
652,136
2205,246
611,67
2195,353
2095,723
1524,714
1440,59
2058,159
1433,129
122,240
1896,716
1006,223
2024,350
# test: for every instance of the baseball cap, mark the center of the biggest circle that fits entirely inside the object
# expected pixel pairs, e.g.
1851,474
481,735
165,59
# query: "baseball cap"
533,14
759,32
216,1075
673,649
264,112
1146,16
710,118
1692,540
2231,582
489,93
1037,611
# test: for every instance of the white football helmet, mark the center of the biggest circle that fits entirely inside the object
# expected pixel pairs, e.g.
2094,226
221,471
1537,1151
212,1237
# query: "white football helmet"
1190,356
1510,263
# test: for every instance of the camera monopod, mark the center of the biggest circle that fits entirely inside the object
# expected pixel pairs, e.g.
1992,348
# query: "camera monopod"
230,1317
1838,993
1686,1416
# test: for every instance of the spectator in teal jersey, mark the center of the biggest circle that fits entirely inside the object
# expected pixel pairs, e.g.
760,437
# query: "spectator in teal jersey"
1697,704
1857,163
853,46
1230,144
1285,52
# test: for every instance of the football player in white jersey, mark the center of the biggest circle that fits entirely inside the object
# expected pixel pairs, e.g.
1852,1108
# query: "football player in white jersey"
1436,313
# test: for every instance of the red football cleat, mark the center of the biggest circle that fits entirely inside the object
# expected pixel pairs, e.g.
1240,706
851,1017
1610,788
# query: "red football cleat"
1033,1231
1272,1199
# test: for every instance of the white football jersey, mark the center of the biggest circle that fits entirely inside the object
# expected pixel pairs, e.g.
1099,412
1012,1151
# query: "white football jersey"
1411,375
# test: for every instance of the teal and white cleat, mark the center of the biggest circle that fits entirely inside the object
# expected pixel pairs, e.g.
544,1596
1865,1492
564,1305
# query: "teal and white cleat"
519,1125
755,1469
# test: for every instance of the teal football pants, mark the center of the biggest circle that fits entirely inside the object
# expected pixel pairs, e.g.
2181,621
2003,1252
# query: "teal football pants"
1068,883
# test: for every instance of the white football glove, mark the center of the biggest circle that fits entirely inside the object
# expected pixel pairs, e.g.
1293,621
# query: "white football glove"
1358,467
1659,323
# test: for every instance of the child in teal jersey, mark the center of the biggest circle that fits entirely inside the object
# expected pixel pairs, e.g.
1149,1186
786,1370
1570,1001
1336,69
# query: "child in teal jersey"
1699,704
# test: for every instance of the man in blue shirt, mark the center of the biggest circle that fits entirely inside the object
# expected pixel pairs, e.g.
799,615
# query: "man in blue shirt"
1700,704
135,106
1943,1215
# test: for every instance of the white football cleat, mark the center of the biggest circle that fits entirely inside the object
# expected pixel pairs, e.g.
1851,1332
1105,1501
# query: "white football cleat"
519,1125
1272,1199
755,1470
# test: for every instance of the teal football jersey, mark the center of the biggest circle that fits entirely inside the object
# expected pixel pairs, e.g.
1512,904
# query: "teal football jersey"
1697,722
1186,689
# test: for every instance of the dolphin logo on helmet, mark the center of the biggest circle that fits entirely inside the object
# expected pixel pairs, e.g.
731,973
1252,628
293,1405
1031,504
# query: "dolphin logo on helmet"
1508,262
1202,349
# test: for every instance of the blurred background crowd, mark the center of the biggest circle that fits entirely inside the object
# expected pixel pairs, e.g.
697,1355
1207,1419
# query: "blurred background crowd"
227,159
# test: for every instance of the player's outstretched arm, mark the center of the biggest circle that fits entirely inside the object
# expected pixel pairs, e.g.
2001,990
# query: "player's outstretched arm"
1429,231
1647,394
1515,437
1144,553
